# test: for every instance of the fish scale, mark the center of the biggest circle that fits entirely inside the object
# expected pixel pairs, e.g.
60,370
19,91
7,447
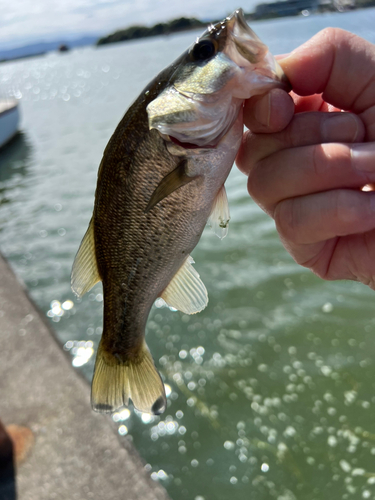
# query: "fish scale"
150,238
160,180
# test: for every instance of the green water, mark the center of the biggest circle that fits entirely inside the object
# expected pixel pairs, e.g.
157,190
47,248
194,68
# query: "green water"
272,385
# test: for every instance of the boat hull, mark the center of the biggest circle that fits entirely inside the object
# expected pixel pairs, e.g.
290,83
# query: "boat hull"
9,121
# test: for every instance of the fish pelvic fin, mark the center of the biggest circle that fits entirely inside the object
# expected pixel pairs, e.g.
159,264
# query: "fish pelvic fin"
117,379
220,217
85,272
186,292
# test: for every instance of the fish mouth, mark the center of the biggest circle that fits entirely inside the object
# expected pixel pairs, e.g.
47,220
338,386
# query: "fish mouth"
246,49
190,145
201,103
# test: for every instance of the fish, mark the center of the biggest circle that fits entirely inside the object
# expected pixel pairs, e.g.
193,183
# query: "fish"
160,181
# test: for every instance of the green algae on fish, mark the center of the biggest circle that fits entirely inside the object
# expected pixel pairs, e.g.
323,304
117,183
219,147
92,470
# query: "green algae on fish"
160,181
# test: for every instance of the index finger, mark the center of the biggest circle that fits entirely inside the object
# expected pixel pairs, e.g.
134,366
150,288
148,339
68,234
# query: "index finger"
339,65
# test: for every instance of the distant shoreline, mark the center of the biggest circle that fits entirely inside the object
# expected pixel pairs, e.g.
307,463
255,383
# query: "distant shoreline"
262,12
137,31
273,10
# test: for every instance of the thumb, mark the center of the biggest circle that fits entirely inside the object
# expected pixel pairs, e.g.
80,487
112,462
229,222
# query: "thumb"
268,113
338,64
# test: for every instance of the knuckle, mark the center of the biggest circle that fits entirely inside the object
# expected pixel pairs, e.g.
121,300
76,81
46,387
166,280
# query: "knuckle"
259,184
243,158
334,159
290,135
254,182
345,208
249,151
301,130
308,262
329,33
333,36
338,205
317,160
286,220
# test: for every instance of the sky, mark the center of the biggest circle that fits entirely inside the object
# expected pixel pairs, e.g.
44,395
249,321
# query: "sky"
25,21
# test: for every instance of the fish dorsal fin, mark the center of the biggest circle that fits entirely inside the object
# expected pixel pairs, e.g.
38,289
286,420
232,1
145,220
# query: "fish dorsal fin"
172,181
220,217
186,292
85,272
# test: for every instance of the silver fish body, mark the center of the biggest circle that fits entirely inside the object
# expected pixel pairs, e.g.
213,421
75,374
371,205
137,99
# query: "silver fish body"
160,180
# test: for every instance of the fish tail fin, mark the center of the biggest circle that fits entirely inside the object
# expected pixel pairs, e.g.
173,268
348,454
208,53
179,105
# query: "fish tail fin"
117,380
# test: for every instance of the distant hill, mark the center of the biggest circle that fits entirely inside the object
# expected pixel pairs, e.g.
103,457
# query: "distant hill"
34,49
134,32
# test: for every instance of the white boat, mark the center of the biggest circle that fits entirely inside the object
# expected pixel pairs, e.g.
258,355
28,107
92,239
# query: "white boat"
9,120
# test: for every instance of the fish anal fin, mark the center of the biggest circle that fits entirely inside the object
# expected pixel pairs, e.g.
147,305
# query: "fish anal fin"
172,181
220,217
85,272
118,379
186,292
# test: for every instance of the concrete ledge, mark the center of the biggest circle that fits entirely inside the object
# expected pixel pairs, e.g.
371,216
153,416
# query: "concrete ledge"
76,454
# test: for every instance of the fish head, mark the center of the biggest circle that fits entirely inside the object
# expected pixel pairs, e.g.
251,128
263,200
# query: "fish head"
209,82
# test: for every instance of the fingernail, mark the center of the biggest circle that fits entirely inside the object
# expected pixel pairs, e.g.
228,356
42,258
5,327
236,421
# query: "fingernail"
363,156
341,127
262,110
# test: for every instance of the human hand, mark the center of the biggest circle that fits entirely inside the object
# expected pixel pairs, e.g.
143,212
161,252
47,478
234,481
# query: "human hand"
307,168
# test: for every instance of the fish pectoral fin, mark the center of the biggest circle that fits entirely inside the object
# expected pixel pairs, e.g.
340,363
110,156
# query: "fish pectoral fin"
186,292
220,217
117,380
172,181
85,272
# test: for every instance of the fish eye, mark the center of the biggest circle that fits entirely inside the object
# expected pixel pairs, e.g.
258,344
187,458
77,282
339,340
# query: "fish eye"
203,50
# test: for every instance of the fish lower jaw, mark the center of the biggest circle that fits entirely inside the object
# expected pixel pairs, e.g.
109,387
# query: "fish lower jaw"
179,148
190,145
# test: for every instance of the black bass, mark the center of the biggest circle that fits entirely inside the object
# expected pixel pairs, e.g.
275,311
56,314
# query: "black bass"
160,181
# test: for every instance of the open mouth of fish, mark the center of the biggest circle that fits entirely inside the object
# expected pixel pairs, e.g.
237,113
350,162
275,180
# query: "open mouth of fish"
190,145
225,66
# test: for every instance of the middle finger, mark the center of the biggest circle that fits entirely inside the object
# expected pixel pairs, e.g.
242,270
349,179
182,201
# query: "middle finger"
306,170
304,129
